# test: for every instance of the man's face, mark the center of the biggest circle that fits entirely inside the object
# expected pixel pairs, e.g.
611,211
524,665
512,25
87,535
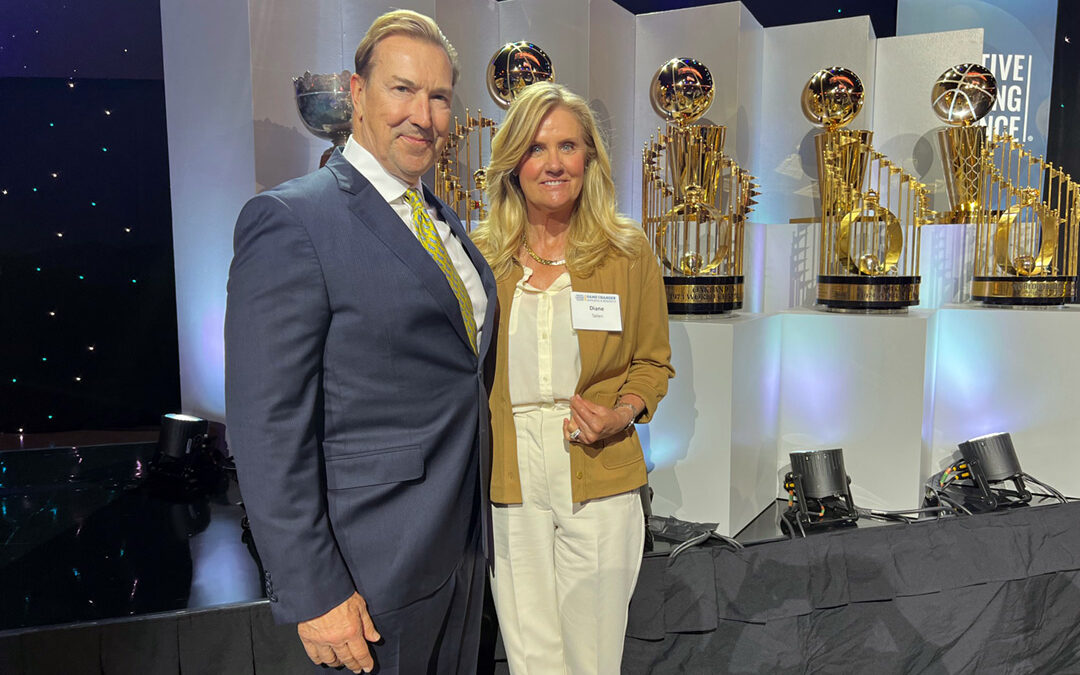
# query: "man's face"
401,111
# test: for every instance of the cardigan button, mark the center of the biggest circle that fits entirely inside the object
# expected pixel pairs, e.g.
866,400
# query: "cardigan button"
580,475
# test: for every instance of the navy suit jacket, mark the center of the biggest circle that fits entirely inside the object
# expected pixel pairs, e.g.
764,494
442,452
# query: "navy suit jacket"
356,408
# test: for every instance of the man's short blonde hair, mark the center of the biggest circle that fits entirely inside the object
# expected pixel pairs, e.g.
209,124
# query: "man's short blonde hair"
401,22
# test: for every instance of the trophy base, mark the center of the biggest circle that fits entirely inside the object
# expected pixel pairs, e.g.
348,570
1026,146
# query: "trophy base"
1023,290
703,295
959,217
867,294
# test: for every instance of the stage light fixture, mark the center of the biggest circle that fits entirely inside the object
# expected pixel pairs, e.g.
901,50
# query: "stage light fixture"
819,492
183,465
987,478
993,456
179,433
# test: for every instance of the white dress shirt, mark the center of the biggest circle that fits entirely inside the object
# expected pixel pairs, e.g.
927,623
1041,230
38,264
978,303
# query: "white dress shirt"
544,357
393,190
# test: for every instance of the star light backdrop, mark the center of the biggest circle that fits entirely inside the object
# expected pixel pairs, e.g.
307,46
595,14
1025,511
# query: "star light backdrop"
87,288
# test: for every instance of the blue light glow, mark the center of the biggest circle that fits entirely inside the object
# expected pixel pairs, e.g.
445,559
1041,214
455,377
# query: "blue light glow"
976,376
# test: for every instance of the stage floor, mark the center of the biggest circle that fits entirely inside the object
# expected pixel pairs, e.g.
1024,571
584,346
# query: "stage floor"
84,537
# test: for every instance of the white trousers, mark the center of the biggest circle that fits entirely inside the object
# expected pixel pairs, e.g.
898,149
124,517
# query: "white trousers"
564,572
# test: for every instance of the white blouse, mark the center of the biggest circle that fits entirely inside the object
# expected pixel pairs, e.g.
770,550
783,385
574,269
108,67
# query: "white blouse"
544,358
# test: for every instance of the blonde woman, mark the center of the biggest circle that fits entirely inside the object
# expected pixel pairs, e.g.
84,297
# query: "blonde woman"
582,356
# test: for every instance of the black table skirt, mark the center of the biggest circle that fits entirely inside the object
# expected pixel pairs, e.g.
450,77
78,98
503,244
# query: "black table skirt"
241,640
994,593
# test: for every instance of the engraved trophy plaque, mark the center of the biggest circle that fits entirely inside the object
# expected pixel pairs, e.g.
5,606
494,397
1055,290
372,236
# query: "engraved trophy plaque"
1025,210
324,103
460,173
695,199
870,207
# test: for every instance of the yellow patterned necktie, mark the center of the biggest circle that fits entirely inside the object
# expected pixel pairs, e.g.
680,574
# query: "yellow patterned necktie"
429,237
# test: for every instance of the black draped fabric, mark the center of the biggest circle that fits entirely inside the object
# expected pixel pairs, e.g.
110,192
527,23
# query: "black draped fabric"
993,593
240,640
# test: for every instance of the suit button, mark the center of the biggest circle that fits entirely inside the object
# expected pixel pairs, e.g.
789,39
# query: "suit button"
580,475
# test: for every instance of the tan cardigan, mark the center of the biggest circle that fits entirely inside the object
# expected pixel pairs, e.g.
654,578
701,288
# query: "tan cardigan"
635,361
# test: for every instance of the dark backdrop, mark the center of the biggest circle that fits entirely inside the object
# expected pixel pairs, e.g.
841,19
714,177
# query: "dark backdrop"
87,292
1063,139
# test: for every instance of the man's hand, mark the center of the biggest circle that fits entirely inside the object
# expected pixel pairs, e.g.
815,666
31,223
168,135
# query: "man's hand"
341,636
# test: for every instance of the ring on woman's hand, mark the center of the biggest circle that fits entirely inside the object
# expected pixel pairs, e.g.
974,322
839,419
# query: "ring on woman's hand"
575,434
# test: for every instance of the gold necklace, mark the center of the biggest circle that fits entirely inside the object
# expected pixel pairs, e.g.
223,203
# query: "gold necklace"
532,253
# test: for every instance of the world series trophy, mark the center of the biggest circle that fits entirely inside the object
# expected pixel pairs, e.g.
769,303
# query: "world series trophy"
513,67
870,207
325,106
1025,210
695,199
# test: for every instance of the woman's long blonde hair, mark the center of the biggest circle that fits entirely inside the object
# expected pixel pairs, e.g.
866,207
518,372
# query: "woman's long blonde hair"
597,230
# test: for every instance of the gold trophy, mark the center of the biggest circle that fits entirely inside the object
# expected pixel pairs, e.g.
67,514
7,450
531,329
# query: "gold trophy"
870,208
695,199
513,67
1025,210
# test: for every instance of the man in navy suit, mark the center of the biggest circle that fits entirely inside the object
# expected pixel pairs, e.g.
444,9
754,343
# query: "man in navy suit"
357,334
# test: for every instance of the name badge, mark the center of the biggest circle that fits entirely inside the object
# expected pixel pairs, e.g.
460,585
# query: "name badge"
595,311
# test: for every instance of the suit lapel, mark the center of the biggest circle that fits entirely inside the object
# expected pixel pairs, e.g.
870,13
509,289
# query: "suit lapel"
372,211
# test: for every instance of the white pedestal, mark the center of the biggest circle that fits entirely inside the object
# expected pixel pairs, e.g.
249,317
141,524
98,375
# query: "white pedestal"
781,266
711,447
857,382
1011,370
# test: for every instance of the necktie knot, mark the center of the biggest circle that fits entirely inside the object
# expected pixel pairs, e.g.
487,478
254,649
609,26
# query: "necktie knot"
414,200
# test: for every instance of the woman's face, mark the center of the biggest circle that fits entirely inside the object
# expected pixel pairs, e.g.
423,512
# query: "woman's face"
553,169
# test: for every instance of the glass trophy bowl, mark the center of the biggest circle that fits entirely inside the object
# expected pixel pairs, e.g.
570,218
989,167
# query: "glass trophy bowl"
325,106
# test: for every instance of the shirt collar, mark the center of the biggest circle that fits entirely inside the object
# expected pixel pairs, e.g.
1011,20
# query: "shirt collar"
389,186
561,282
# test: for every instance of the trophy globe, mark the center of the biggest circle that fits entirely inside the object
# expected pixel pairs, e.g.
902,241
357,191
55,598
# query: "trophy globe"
963,94
832,97
325,106
515,66
682,90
